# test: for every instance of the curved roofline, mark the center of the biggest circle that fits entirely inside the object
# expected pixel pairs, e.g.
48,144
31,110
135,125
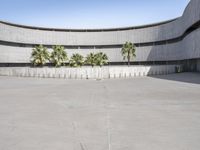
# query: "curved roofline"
89,30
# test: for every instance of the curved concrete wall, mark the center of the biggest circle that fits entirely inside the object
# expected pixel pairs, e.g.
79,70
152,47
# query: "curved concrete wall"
188,47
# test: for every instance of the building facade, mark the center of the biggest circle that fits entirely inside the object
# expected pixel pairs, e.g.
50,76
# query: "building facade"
173,41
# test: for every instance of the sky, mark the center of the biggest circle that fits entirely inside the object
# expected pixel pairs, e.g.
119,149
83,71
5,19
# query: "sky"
89,13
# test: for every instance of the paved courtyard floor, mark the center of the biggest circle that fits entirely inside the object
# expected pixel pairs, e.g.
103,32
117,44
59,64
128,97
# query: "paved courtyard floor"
149,113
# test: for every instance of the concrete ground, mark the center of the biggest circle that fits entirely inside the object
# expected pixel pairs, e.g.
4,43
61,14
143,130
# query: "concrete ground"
149,113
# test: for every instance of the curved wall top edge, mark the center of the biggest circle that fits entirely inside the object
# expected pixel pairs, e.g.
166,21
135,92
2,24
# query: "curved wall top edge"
89,30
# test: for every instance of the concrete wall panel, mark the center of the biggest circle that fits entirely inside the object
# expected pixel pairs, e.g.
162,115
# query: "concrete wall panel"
188,48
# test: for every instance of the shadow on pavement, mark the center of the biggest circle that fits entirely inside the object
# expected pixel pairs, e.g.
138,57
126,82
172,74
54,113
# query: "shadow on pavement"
181,77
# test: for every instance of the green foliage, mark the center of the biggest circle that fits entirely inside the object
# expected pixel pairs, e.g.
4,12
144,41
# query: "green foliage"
91,59
101,59
128,51
58,56
40,56
98,59
76,60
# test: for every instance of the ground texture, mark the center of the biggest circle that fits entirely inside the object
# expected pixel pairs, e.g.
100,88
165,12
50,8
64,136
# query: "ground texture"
150,113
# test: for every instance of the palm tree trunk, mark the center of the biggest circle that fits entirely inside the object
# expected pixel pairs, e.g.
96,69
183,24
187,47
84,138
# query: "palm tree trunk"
128,59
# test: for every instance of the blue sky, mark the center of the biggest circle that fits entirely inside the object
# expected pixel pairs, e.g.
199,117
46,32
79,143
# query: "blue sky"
90,13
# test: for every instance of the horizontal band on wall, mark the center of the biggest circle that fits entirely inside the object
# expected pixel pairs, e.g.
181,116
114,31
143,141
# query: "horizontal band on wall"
164,42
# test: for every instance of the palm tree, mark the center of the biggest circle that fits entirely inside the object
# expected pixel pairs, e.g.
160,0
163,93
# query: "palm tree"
58,56
128,51
90,59
76,60
101,59
40,56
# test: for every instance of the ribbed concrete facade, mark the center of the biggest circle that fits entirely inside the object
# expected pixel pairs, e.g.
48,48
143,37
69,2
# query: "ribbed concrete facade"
174,40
